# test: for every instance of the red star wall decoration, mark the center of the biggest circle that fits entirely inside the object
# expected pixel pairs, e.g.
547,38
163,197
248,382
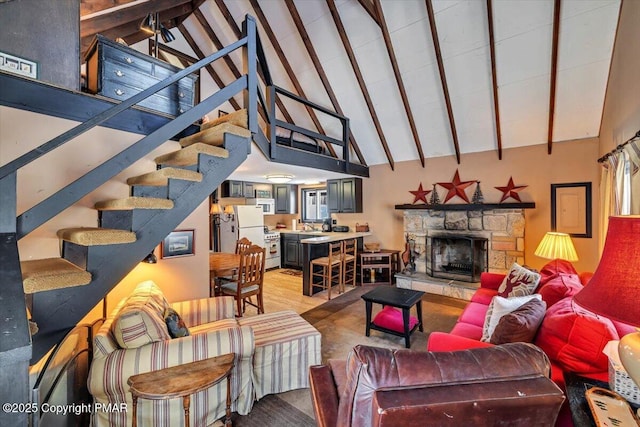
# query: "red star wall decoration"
456,188
511,190
420,194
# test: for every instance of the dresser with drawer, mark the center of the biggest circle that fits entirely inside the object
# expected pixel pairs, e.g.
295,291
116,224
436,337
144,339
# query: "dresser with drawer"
117,71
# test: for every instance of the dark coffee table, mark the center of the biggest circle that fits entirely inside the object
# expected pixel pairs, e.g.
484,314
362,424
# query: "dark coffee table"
399,298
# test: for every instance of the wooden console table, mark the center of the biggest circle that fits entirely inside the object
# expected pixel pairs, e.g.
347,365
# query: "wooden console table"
183,381
387,260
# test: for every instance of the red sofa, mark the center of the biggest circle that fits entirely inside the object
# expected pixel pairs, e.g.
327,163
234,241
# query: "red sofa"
573,338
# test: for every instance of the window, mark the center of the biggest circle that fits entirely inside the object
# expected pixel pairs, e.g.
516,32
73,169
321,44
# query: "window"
314,204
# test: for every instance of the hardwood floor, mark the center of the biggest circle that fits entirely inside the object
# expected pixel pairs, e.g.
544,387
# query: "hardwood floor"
283,291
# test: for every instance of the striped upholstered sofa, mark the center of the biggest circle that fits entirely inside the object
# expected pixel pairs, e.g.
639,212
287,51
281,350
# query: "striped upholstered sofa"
273,355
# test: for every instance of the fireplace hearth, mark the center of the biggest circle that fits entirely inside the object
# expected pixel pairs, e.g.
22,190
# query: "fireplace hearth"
458,257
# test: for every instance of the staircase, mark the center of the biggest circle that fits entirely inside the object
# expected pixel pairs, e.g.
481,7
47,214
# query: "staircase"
62,290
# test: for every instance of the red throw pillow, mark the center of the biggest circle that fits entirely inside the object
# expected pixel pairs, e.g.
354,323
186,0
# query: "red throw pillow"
561,286
521,324
573,338
391,318
518,282
555,267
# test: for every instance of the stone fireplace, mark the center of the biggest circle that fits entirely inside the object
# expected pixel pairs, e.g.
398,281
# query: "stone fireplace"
499,228
503,229
457,257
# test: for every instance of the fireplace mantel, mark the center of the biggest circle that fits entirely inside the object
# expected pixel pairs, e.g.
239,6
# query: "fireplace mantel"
468,206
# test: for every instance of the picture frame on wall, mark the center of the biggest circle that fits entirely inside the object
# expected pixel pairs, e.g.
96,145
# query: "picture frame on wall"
178,243
571,209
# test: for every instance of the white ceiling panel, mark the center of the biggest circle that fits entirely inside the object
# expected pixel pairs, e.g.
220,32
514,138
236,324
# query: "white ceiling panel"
523,34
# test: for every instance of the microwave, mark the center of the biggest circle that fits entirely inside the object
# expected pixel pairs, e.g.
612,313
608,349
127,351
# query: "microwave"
268,205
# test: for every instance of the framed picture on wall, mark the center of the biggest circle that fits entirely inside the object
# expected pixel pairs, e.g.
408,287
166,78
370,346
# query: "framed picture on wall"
177,244
571,208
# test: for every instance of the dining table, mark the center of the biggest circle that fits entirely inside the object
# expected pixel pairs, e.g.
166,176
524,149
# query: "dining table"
221,264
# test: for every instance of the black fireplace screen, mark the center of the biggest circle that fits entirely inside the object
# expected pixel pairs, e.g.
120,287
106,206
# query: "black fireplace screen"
459,257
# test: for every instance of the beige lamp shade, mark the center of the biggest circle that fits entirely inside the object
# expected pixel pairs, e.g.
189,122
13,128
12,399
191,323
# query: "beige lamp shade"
215,209
557,246
228,210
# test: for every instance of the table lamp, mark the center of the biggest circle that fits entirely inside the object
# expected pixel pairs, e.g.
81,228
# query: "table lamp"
556,245
614,289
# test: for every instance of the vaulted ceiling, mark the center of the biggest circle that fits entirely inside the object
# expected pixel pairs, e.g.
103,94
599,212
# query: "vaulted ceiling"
417,78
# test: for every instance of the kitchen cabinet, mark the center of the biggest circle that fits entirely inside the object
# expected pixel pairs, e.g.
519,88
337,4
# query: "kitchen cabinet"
291,249
237,189
286,198
344,195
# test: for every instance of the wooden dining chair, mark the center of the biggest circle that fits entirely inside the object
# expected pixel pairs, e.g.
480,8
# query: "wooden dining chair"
349,257
250,280
243,244
328,269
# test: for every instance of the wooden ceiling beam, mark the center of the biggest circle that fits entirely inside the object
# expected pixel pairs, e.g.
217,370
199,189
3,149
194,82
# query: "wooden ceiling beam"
370,9
238,33
494,77
399,82
266,27
554,73
200,54
319,69
94,24
363,87
443,77
88,7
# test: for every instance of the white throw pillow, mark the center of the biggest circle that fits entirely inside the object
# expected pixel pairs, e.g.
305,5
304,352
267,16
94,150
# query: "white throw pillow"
499,307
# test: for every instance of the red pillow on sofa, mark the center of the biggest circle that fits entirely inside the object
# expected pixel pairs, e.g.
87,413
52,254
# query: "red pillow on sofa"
574,338
555,267
559,287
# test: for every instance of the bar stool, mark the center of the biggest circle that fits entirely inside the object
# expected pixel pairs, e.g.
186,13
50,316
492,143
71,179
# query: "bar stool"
349,257
325,268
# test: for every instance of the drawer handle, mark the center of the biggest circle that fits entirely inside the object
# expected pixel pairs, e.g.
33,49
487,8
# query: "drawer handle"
128,59
119,73
119,92
181,94
181,111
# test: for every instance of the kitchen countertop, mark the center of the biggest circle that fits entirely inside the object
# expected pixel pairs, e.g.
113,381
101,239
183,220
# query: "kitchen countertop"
327,237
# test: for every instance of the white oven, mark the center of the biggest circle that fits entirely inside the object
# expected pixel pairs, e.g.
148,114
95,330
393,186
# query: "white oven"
272,246
268,205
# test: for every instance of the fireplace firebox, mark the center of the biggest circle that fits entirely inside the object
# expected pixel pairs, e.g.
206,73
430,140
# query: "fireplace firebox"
459,257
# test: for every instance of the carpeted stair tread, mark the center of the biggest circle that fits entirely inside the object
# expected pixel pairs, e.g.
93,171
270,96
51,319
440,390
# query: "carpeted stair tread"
189,156
134,203
51,273
237,118
161,177
88,236
215,135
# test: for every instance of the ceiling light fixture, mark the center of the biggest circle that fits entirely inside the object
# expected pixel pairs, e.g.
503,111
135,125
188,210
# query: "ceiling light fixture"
280,178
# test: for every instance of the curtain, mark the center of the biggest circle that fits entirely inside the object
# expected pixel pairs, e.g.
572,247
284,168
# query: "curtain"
620,185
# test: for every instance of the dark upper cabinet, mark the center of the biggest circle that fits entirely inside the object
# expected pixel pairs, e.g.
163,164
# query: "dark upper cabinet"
286,198
237,189
344,195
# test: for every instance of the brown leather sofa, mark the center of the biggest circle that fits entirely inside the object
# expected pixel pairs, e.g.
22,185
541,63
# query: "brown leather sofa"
502,385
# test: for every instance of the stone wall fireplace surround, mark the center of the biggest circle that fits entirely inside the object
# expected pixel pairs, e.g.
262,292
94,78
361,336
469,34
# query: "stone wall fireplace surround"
504,229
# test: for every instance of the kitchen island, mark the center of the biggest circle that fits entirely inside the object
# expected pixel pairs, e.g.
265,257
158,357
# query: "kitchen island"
316,245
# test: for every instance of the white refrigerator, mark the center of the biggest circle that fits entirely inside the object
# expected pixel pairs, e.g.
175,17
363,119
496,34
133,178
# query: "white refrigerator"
248,221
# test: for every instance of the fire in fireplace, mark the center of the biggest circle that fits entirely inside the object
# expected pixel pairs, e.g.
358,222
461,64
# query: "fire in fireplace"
459,257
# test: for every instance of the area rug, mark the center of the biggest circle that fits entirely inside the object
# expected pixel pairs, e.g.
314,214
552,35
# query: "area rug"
341,321
273,411
296,273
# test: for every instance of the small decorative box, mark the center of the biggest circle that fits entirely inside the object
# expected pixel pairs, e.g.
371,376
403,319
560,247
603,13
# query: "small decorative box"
619,380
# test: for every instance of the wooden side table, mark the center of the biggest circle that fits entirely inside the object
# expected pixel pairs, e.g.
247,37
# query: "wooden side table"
386,260
183,381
